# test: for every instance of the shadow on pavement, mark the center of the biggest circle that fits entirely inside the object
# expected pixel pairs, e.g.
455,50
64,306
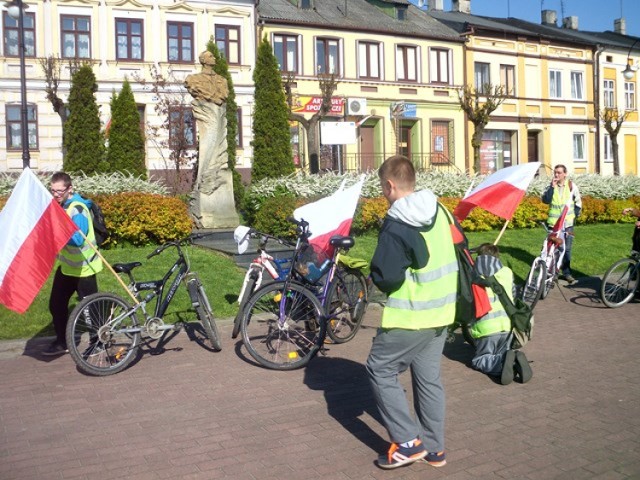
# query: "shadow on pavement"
458,350
348,395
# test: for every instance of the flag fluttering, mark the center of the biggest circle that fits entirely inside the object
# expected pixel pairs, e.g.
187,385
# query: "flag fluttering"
33,229
332,215
500,193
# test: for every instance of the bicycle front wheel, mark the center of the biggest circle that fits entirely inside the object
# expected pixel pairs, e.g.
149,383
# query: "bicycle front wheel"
202,307
283,329
620,282
102,334
535,283
345,305
248,289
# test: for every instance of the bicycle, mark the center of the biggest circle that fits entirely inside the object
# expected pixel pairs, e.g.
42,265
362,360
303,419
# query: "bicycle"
545,267
275,267
284,323
103,332
620,283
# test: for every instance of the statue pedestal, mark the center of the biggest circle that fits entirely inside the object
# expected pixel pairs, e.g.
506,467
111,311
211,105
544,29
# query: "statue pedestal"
216,209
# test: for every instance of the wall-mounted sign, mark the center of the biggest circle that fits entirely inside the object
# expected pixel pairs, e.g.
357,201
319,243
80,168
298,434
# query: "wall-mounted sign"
306,104
337,133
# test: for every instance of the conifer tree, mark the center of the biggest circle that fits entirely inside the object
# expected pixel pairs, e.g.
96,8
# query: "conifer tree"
222,68
271,138
126,142
82,139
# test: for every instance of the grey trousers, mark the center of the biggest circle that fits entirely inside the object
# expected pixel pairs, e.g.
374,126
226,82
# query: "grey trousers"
393,352
490,352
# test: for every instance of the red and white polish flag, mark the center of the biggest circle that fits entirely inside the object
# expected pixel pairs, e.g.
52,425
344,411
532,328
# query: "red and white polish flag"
332,215
33,229
500,193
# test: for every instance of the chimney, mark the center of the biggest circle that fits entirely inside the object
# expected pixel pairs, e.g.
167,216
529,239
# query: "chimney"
570,23
436,5
620,26
462,6
549,18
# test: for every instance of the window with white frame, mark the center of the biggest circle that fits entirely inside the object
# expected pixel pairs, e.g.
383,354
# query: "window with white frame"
555,84
482,76
577,91
327,56
14,127
578,147
508,79
285,48
439,65
629,95
608,94
368,60
407,63
10,30
76,36
608,149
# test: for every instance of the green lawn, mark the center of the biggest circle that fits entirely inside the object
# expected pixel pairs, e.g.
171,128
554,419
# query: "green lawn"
595,248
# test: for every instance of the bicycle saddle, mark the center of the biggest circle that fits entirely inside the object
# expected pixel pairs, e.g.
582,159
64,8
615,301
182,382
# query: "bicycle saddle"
125,267
342,242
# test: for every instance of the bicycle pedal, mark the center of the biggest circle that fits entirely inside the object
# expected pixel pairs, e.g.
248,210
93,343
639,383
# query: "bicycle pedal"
178,326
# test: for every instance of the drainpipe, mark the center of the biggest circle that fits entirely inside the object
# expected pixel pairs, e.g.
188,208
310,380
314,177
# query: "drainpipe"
596,101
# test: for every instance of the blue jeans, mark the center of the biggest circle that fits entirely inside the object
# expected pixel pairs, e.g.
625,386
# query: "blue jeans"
568,245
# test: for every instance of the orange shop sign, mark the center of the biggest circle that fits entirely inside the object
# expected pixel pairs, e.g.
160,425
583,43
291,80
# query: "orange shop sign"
305,104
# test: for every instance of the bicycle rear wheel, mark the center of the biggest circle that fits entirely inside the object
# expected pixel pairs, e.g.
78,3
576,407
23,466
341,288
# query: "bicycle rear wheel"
99,341
283,329
248,289
345,304
535,283
552,274
202,307
620,282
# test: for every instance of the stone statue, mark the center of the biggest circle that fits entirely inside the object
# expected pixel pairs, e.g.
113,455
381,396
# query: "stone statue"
212,205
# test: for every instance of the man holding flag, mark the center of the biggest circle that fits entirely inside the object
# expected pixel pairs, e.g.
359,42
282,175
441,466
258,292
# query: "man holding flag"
559,193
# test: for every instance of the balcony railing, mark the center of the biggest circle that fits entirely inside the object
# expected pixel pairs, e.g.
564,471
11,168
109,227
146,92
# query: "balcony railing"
423,162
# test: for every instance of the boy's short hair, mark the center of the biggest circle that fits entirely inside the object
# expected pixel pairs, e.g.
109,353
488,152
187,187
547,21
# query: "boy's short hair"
489,249
61,177
399,169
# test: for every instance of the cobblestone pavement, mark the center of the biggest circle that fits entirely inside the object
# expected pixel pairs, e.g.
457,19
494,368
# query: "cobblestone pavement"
186,412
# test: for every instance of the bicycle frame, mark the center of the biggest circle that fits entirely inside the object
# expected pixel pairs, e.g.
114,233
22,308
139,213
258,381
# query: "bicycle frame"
549,246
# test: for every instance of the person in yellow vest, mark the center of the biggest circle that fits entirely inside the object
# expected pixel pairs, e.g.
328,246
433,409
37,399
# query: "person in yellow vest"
415,265
492,331
559,193
78,263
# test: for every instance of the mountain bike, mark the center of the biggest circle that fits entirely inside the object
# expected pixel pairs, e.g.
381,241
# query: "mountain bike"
545,267
104,331
284,323
620,283
276,268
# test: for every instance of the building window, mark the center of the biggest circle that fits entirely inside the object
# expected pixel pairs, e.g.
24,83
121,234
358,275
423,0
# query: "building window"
629,95
182,129
608,94
76,36
327,56
369,60
608,150
129,39
578,147
407,63
439,65
576,86
180,41
482,76
555,84
239,128
141,113
11,35
285,48
508,79
228,42
14,127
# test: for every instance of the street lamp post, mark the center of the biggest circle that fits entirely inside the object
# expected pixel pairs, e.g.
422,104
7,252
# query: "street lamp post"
16,9
630,69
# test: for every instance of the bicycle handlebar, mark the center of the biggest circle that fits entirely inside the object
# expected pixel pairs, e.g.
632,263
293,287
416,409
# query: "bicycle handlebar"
177,243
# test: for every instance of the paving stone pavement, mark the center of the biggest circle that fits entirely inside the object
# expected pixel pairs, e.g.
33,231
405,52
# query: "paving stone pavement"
189,413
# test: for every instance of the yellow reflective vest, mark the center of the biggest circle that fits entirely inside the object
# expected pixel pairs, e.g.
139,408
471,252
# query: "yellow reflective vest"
427,298
80,261
496,320
558,202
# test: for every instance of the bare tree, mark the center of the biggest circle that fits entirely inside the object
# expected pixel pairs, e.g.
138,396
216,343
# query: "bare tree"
478,105
612,120
176,133
328,84
52,69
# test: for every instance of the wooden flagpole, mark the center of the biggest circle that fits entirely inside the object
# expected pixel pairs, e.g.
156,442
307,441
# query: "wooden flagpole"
504,227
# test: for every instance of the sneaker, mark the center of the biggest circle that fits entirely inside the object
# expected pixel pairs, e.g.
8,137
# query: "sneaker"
436,459
507,367
569,279
56,348
522,368
399,456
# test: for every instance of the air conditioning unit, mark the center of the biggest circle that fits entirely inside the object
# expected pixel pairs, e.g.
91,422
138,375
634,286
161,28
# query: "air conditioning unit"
356,106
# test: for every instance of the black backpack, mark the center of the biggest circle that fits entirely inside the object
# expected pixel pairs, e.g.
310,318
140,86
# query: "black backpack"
99,226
